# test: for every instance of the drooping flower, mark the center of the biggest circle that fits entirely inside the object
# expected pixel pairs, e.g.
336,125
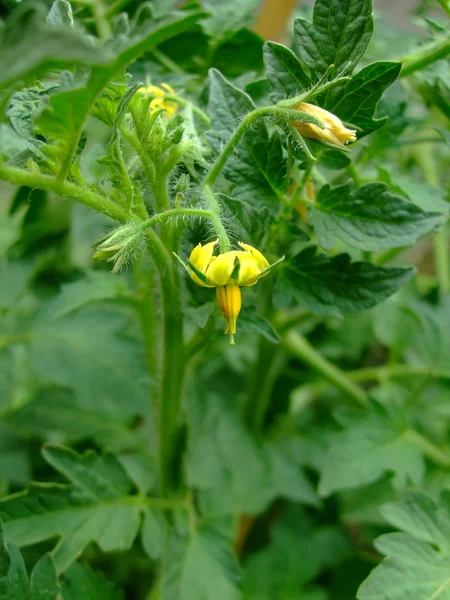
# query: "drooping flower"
159,98
228,272
334,131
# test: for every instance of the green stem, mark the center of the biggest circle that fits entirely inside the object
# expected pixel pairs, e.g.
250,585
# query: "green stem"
386,256
166,61
101,22
429,449
299,346
445,5
175,212
195,109
384,372
64,188
427,56
243,127
441,258
214,209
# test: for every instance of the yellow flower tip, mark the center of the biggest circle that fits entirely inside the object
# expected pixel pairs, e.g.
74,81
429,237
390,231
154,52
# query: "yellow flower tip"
230,301
159,98
334,132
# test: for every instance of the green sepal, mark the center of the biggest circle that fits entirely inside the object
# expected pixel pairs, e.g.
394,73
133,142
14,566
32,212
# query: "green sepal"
270,267
236,269
199,274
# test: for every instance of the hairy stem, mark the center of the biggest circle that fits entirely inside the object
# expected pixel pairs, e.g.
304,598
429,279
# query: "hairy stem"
214,211
423,58
64,188
299,346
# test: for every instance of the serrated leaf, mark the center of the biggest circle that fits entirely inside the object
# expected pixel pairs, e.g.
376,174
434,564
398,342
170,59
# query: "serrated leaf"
369,218
248,223
18,579
96,351
97,507
372,444
338,35
284,71
44,580
30,47
334,285
251,322
81,581
227,16
95,286
417,559
242,476
5,563
355,101
201,565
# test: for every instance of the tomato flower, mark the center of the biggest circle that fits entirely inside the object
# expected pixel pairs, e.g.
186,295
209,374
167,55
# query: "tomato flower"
334,131
159,98
228,272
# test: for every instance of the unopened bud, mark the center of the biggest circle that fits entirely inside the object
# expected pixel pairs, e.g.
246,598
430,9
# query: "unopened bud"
334,132
121,245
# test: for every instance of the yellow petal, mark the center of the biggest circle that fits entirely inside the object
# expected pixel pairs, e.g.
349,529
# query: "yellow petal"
261,260
249,272
219,270
201,255
168,88
155,91
229,299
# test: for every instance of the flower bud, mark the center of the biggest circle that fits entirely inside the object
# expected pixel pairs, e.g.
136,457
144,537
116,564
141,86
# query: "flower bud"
121,245
334,131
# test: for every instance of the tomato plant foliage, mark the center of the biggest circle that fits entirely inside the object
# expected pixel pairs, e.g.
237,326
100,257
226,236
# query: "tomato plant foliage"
141,456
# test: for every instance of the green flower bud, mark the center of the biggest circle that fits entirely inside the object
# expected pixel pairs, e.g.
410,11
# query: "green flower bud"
121,245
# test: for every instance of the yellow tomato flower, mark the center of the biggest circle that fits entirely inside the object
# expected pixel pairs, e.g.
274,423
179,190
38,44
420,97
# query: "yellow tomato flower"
334,131
228,272
159,98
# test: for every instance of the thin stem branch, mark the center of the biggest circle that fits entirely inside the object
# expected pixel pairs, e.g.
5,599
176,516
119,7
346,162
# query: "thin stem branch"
65,188
299,346
423,58
214,208
430,450
195,109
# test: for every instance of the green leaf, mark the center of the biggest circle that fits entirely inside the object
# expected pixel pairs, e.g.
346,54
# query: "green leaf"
338,35
95,286
284,71
5,564
369,218
334,285
30,47
248,223
355,101
417,557
44,580
154,532
333,159
257,168
251,322
60,13
201,565
243,476
95,507
81,581
97,351
227,16
55,414
372,444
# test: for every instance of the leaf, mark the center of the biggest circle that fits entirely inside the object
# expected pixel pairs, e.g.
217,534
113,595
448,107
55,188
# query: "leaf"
372,444
284,71
30,47
338,35
227,16
96,506
201,565
232,471
251,322
44,580
356,100
257,168
53,413
249,223
97,351
369,218
418,557
154,532
5,564
335,286
60,13
81,581
95,286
